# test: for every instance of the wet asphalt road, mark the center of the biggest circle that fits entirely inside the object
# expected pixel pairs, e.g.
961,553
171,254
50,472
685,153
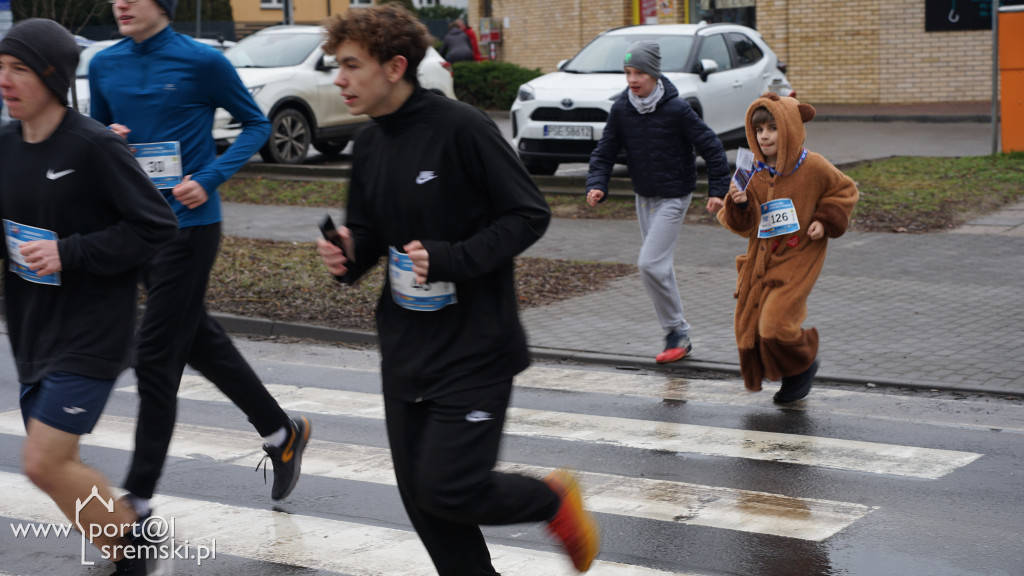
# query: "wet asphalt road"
686,476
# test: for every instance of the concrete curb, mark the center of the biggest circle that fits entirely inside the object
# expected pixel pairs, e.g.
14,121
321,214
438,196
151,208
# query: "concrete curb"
240,325
922,118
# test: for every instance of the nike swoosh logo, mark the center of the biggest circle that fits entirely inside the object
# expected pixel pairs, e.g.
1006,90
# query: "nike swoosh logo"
288,453
425,177
57,175
74,410
478,416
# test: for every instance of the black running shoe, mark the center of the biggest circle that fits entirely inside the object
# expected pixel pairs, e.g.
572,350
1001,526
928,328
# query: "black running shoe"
130,567
287,458
796,387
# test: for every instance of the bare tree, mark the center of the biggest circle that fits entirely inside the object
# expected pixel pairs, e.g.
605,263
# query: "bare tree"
72,14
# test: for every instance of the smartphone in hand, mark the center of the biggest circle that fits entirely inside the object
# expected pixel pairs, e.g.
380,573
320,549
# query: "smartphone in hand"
330,232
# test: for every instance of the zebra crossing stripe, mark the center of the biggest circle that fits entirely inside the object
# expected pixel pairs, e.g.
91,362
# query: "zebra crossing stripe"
903,408
666,501
307,541
960,413
851,455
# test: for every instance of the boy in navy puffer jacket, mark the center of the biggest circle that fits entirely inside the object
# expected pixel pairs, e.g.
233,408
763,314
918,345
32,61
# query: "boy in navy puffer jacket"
659,132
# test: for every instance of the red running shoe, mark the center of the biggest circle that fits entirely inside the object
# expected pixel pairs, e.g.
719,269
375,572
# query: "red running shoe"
574,527
677,346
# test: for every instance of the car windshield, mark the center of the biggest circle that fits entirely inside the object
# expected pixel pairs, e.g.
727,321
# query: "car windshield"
85,56
272,50
605,53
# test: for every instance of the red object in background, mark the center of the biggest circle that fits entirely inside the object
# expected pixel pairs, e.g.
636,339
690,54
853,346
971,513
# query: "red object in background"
648,11
473,42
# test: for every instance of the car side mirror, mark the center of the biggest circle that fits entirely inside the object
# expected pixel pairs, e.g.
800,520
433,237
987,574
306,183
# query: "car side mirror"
562,63
707,67
326,62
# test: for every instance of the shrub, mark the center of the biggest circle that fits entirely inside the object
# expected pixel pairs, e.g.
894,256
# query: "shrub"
490,84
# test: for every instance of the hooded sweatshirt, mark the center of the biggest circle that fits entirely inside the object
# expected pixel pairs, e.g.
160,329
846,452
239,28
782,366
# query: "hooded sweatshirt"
777,273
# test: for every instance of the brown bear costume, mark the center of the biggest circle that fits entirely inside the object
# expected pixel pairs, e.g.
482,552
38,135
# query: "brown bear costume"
776,274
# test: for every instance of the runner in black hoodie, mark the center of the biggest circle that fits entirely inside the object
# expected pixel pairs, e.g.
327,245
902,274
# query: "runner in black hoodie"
437,191
79,217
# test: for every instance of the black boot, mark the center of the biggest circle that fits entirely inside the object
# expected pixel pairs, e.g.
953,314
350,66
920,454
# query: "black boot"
796,387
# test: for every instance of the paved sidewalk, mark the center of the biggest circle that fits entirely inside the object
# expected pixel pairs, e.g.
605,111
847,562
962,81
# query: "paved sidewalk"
941,310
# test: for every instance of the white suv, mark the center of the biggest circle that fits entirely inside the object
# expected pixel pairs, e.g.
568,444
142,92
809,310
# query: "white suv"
291,80
718,68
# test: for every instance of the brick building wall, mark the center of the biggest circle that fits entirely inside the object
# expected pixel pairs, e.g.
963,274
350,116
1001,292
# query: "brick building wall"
874,52
837,51
543,32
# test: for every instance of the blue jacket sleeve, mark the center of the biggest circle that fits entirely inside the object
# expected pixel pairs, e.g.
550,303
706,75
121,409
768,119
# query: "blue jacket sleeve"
602,159
99,108
707,144
229,93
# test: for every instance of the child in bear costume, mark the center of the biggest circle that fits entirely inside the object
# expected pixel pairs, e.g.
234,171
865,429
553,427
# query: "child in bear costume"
794,201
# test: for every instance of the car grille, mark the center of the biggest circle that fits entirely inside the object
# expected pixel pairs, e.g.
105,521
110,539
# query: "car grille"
574,115
581,147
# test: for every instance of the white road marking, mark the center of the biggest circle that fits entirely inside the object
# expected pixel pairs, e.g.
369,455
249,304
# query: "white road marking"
891,407
667,501
852,455
308,541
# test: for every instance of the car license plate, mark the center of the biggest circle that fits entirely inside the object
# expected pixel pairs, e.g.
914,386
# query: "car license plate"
569,132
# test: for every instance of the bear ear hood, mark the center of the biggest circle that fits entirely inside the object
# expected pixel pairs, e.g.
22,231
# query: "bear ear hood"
790,116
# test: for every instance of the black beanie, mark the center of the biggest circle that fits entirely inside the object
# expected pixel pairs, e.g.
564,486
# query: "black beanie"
168,6
48,49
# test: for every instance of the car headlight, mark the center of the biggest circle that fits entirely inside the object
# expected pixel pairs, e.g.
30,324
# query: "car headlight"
525,93
254,90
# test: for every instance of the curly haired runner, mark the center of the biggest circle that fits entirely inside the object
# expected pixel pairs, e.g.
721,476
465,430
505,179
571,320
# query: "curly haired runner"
793,203
437,191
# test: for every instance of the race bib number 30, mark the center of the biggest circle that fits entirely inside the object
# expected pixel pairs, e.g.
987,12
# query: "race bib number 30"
161,161
410,294
778,217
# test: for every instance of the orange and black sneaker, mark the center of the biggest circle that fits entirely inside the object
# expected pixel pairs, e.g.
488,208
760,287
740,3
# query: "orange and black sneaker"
677,346
574,527
287,458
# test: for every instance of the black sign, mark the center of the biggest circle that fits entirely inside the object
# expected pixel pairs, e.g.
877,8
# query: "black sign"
956,15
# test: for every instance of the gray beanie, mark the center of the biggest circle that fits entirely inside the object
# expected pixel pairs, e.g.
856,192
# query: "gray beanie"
168,6
48,49
645,56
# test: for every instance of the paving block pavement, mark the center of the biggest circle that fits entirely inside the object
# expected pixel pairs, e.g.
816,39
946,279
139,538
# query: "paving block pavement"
942,310
934,310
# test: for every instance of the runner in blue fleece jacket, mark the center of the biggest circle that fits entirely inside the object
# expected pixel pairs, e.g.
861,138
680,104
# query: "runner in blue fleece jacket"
158,86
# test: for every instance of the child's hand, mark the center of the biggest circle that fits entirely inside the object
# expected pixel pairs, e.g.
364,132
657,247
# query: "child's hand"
816,231
594,196
714,204
738,196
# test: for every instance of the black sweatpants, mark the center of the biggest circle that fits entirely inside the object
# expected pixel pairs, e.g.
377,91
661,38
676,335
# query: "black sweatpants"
176,330
444,451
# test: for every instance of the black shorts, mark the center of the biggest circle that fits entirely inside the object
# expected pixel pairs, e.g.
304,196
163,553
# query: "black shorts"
68,402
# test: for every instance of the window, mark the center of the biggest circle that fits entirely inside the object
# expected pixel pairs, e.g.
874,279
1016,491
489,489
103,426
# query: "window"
715,48
605,53
272,4
746,51
359,3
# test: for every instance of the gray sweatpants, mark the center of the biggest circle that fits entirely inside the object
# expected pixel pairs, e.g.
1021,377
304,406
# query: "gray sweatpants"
660,221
